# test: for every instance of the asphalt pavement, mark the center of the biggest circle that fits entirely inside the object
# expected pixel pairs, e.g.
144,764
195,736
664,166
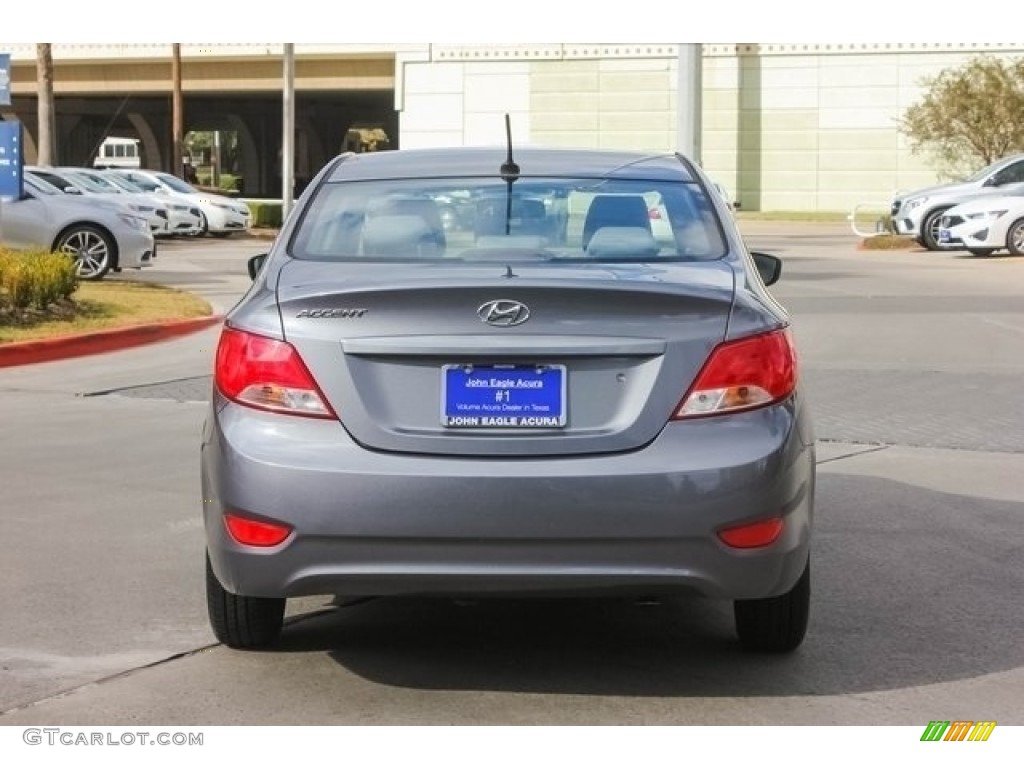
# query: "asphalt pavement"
912,361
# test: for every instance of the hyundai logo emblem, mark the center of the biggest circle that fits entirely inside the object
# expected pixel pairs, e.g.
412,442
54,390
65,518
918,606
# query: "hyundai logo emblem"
504,313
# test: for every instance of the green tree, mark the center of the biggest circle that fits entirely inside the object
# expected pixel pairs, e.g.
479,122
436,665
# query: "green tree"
971,115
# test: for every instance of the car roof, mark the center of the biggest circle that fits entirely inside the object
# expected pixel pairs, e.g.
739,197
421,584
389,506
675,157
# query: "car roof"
454,162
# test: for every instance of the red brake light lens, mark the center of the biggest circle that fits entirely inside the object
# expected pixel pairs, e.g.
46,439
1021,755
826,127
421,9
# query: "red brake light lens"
268,374
256,533
743,374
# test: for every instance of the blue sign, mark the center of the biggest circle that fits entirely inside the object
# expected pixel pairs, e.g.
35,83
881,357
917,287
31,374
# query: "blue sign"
5,79
10,160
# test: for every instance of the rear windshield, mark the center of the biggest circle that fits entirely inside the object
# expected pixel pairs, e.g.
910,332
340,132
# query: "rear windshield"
531,218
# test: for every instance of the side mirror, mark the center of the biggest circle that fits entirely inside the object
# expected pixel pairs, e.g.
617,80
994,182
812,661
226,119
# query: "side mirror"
768,266
255,264
991,181
72,190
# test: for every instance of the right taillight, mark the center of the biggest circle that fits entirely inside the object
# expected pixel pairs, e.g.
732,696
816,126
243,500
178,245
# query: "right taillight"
267,374
743,374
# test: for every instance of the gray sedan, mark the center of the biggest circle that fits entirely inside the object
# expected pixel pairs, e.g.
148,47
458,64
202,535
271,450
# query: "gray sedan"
99,235
552,399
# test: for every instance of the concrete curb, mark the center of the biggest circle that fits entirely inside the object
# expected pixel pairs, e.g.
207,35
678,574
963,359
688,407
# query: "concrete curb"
95,342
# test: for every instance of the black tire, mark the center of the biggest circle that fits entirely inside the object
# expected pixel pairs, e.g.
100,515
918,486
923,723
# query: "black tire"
242,622
91,248
930,230
204,225
981,251
1015,238
775,624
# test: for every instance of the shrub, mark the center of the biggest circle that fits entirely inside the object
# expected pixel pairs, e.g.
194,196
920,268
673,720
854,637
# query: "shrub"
229,182
55,278
265,214
35,278
17,283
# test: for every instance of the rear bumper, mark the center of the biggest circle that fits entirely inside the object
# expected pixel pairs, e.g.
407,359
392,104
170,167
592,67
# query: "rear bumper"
641,522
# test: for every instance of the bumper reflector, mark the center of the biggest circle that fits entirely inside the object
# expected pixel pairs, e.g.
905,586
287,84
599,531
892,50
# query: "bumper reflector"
759,534
256,533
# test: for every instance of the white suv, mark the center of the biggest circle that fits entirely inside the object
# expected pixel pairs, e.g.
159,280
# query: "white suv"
918,213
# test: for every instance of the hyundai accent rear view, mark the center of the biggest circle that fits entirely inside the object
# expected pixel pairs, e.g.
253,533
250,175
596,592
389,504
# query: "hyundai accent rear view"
544,395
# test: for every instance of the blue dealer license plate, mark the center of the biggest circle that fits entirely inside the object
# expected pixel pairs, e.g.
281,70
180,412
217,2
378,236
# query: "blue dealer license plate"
517,396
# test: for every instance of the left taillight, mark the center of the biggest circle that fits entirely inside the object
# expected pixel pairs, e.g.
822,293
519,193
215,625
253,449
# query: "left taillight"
743,374
268,374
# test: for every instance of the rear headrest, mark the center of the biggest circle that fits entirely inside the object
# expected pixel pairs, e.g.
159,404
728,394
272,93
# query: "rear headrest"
400,237
391,228
623,242
615,211
410,206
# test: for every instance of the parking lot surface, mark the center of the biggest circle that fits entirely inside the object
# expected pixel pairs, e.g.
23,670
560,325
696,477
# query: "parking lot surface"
912,362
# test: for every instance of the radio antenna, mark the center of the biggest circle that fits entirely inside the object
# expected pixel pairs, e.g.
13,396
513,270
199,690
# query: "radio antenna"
509,170
509,173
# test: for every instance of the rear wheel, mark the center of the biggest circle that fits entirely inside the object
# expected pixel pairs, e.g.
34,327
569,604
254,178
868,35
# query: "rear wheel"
930,230
775,624
1015,238
242,622
981,251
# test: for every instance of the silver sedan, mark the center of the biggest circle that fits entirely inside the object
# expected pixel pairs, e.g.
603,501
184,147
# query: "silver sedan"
100,235
554,398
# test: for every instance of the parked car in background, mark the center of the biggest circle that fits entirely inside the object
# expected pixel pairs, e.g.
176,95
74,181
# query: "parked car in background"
71,182
178,218
988,224
534,403
185,217
99,237
220,216
918,213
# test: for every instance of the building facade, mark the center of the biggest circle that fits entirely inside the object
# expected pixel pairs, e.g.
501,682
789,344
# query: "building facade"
795,127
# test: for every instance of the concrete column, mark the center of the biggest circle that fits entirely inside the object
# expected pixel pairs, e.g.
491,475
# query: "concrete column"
688,101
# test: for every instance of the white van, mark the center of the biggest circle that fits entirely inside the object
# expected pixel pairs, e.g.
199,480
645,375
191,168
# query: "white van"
116,152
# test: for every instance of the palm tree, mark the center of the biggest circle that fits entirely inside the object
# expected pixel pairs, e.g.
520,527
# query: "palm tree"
177,111
47,112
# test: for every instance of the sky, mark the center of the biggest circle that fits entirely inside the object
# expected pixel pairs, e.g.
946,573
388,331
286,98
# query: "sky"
492,21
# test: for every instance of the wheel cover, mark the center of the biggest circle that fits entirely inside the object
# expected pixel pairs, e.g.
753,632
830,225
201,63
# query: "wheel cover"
89,250
1017,237
934,225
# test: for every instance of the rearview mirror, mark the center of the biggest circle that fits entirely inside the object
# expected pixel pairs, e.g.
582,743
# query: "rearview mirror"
768,266
255,264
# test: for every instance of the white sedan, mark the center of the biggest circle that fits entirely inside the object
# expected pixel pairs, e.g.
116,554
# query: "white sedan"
987,225
220,216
